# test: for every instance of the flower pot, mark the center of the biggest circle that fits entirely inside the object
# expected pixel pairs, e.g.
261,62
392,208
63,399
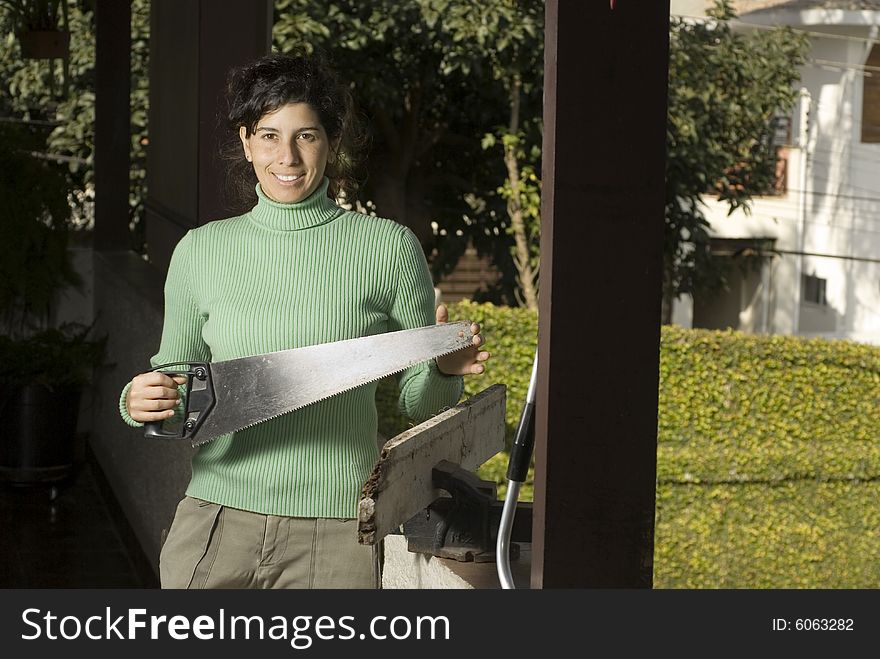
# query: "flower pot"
44,44
37,433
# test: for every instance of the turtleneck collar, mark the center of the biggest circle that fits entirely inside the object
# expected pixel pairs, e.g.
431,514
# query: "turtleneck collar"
315,209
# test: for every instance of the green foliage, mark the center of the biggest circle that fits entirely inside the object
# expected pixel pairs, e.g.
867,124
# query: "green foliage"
737,406
767,463
525,191
30,94
511,335
33,231
35,14
724,91
140,102
800,534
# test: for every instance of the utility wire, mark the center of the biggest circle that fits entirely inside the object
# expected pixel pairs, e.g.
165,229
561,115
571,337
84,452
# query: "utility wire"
824,256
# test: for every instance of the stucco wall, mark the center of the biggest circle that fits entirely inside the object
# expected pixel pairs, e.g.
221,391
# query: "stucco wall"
148,478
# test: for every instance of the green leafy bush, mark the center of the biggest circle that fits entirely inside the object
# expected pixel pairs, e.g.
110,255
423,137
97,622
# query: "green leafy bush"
33,230
767,462
29,93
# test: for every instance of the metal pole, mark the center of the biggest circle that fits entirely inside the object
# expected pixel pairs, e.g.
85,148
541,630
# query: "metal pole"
517,471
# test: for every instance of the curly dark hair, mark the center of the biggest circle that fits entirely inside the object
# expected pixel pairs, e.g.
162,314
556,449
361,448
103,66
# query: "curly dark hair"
273,81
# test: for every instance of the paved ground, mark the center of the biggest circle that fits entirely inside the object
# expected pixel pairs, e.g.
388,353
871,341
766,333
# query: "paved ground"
69,541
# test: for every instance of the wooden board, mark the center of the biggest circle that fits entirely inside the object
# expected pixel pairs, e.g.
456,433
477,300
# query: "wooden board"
400,486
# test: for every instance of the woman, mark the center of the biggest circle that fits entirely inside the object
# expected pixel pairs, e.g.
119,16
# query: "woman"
274,506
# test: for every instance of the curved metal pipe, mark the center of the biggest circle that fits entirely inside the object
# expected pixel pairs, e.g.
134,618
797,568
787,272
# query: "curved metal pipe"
502,547
517,469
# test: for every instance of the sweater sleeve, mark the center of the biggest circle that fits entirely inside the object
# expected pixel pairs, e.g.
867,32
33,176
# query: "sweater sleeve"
182,327
424,390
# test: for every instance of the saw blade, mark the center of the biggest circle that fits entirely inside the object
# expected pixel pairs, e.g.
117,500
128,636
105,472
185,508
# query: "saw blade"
251,390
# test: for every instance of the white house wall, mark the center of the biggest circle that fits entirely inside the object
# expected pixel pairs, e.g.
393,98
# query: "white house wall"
836,202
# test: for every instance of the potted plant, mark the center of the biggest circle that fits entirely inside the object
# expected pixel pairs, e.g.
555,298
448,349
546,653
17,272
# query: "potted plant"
43,368
41,26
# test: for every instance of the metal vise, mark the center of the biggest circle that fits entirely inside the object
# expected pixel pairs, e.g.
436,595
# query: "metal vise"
464,526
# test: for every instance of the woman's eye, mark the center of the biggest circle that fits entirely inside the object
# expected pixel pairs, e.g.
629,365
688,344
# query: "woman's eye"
269,136
308,137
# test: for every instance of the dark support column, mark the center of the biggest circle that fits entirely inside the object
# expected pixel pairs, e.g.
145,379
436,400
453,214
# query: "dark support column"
218,30
193,45
601,246
112,133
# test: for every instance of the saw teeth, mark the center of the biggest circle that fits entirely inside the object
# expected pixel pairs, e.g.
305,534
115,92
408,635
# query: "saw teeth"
196,442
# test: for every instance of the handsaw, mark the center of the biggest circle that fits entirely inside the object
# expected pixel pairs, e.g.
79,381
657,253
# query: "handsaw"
223,397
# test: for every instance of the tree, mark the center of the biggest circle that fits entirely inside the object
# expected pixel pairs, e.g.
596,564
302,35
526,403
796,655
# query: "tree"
510,36
724,91
433,78
68,121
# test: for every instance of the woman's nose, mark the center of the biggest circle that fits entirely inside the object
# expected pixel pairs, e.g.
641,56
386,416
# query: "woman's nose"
288,155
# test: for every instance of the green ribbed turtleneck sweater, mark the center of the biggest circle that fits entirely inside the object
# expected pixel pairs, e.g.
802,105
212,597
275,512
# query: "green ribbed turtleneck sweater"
284,276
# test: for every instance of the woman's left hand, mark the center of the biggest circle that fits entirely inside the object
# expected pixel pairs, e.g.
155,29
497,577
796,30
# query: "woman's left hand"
462,362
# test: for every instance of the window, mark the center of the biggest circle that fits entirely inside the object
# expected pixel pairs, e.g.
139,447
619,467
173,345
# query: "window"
814,290
871,98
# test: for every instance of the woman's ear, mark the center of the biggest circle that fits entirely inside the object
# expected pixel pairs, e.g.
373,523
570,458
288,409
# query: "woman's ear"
242,134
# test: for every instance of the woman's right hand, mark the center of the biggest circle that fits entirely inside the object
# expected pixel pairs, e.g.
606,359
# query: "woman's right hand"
153,396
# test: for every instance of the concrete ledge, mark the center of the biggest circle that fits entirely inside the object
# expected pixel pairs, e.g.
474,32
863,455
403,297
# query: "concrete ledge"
407,570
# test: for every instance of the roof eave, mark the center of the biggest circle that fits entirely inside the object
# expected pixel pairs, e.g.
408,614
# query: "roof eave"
816,17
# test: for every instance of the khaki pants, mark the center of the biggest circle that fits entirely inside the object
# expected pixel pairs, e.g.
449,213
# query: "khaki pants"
213,546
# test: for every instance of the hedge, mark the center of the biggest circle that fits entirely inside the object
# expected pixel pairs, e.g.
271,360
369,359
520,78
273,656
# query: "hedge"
767,463
768,454
745,407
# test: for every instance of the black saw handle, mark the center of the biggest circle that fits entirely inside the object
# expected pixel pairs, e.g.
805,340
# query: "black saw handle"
199,400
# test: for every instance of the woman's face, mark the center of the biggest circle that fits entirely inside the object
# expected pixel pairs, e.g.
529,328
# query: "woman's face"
289,151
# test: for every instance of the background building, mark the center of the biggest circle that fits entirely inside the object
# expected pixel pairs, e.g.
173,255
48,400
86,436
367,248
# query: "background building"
810,255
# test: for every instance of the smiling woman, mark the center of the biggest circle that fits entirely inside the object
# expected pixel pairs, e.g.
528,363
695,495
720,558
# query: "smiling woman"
274,505
282,102
289,151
